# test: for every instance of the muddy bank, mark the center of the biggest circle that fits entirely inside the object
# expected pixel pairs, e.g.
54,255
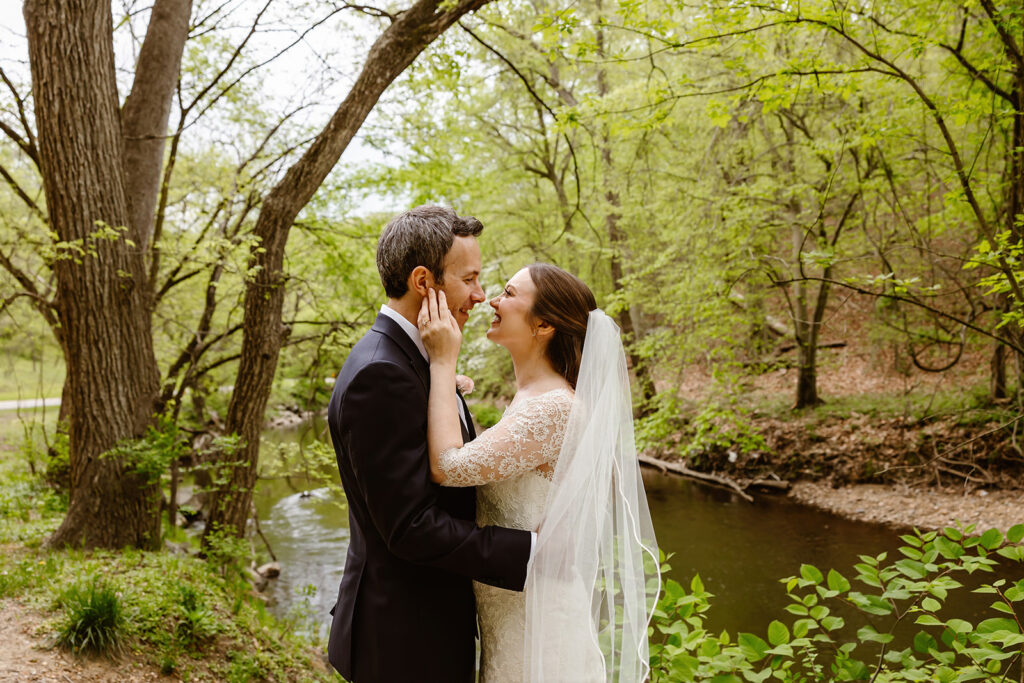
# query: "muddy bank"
923,507
897,471
862,449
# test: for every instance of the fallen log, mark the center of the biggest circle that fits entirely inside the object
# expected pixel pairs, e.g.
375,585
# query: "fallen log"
683,470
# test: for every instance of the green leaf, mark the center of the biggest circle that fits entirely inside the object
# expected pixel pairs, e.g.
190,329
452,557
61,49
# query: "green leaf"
837,581
992,539
931,604
1002,607
948,549
998,624
923,642
811,573
753,648
1015,534
777,633
868,633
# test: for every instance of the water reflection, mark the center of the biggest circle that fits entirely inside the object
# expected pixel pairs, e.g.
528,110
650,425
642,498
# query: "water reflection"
740,549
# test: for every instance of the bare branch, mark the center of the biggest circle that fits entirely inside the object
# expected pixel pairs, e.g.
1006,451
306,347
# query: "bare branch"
28,145
39,213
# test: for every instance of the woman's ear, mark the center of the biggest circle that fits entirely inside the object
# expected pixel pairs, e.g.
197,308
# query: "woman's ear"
544,331
420,280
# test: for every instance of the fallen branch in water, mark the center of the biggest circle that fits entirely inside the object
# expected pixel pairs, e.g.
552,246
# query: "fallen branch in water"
683,470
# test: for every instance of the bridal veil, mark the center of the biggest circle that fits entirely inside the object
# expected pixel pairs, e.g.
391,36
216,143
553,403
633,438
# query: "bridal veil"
594,578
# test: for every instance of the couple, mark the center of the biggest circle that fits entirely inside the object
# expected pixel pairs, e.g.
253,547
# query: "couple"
555,540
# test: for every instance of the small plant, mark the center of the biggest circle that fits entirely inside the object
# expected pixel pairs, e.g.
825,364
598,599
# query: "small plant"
94,620
910,591
197,622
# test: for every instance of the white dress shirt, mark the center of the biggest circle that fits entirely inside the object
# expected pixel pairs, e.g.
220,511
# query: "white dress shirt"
414,334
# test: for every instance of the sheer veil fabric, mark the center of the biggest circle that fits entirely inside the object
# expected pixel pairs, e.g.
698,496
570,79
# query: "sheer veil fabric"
594,579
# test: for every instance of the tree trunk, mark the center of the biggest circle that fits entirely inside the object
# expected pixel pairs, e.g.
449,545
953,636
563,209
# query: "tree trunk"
101,300
263,330
997,379
147,108
617,239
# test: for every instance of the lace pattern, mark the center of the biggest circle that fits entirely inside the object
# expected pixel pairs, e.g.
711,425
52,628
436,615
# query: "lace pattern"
528,435
511,493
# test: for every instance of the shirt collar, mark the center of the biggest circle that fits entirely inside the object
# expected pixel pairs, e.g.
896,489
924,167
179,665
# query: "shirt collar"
407,327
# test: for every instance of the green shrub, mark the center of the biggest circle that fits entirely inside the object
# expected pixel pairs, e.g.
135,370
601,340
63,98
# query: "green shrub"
815,646
487,414
94,620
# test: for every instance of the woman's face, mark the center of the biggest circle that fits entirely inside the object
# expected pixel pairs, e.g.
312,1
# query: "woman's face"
513,324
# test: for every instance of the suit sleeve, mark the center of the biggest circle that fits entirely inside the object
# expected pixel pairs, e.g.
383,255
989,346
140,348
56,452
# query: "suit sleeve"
384,429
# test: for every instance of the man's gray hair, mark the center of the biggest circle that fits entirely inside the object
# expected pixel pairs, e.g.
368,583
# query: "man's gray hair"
419,237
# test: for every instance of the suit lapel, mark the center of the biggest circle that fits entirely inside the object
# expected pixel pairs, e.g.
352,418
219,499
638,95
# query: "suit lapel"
390,329
468,431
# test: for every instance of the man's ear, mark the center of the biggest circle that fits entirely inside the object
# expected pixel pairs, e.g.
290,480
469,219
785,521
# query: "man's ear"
420,280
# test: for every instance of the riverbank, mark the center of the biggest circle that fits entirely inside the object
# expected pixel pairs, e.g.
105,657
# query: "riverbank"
900,505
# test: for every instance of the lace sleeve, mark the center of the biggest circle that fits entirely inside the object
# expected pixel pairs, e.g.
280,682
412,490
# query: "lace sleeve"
526,438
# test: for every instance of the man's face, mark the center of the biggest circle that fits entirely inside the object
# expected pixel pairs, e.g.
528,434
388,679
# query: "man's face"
462,278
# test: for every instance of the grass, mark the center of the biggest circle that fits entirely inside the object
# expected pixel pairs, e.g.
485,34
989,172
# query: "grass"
94,619
27,378
180,614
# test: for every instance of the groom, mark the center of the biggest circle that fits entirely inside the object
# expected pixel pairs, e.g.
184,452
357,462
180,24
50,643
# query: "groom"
405,608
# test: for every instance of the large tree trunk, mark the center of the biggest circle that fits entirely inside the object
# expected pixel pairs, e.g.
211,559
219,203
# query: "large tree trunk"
263,332
111,369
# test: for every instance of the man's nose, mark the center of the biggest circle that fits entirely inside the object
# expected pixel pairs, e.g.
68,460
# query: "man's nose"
478,296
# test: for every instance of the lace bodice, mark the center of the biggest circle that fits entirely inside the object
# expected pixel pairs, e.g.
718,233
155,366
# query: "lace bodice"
528,436
511,492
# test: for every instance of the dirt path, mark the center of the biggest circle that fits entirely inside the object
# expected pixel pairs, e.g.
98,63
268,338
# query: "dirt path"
25,657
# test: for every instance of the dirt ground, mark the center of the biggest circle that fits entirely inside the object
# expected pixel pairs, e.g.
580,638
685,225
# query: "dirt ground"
26,657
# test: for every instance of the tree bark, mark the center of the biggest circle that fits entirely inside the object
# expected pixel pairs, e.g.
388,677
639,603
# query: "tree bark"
101,300
147,108
617,239
263,330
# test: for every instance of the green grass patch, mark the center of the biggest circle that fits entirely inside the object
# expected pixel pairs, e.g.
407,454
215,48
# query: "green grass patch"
27,378
93,619
185,616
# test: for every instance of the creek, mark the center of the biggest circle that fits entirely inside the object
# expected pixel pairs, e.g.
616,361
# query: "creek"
741,550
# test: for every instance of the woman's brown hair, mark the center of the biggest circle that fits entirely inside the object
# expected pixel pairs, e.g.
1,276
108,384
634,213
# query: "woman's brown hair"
564,302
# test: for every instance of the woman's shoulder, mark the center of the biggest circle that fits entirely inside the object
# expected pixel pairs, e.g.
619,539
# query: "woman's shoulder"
558,399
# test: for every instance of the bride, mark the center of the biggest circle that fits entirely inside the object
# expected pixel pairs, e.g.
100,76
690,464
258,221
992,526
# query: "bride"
561,462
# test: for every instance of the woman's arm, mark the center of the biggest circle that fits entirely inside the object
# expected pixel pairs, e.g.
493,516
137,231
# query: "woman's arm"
442,339
522,441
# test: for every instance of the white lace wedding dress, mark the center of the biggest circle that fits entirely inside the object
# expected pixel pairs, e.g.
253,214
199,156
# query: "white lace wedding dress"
511,492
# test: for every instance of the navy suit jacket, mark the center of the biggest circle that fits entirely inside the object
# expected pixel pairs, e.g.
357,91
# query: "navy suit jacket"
405,608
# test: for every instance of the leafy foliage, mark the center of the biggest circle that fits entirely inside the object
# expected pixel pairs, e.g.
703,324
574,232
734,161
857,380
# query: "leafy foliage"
815,644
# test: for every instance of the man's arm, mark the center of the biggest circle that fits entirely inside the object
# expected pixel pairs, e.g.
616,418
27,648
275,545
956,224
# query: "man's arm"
383,428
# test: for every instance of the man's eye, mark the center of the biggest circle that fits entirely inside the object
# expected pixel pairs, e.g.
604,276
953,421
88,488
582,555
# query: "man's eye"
506,292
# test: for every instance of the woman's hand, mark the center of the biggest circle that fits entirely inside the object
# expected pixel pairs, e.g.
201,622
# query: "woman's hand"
439,330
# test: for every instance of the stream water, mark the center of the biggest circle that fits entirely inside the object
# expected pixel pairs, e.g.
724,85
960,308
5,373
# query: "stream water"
741,550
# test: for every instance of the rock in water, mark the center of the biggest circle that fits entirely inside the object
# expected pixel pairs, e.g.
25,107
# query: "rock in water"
271,570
